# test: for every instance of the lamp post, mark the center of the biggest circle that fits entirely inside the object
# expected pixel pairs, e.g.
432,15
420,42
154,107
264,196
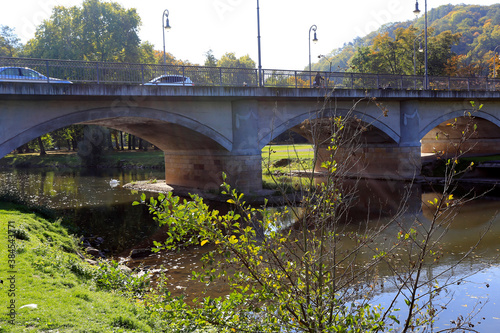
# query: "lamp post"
495,62
258,44
165,26
315,39
416,12
328,79
324,56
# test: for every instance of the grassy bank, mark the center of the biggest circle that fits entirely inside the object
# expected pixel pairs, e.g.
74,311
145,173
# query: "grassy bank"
69,293
279,161
116,159
143,159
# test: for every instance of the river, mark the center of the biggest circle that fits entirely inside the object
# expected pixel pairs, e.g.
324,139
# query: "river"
98,208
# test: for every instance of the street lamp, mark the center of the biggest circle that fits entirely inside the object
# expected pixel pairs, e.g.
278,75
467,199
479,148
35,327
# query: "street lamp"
495,62
315,40
324,56
165,26
328,78
416,12
258,44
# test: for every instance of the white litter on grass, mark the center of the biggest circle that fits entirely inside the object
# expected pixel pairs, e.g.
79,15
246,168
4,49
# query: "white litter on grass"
29,306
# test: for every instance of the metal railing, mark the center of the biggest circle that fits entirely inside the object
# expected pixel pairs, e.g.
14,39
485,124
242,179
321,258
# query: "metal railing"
129,73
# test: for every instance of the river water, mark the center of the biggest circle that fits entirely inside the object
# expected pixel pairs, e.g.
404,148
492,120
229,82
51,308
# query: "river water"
98,208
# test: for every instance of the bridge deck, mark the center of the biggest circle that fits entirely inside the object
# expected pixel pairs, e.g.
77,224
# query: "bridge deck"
10,90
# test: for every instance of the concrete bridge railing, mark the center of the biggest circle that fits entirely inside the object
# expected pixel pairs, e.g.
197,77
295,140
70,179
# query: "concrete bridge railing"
130,73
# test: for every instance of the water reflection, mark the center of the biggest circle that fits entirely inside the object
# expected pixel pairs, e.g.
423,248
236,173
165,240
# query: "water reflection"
88,200
101,207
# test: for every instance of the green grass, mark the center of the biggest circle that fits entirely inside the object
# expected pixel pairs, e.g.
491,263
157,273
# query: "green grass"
277,152
51,275
282,159
116,159
278,161
56,160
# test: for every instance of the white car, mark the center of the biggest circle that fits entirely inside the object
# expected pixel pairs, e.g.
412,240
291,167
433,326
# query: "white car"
170,80
23,74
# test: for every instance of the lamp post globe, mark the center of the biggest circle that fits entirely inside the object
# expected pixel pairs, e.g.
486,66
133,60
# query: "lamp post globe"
165,24
315,40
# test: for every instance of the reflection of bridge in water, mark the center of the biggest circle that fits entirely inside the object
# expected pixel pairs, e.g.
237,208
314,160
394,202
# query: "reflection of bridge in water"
223,122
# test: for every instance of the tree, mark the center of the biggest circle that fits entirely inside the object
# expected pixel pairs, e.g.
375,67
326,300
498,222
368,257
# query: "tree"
477,26
111,32
98,31
336,61
9,42
439,51
394,55
210,60
170,59
229,60
57,38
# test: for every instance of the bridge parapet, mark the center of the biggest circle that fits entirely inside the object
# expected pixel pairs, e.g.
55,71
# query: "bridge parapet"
133,73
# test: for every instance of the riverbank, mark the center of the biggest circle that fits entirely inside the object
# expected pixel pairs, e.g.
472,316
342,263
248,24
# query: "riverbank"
136,159
47,286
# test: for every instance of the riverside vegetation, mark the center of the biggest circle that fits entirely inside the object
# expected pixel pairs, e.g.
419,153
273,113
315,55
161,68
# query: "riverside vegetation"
305,278
70,294
318,275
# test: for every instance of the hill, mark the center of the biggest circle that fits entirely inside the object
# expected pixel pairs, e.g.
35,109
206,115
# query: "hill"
476,28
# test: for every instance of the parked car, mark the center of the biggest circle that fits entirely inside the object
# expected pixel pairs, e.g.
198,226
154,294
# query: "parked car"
170,80
23,74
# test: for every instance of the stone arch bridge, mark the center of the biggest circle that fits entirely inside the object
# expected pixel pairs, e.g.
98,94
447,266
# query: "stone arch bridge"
204,131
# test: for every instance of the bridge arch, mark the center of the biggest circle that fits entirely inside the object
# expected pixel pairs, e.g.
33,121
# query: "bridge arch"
438,136
456,114
155,126
326,113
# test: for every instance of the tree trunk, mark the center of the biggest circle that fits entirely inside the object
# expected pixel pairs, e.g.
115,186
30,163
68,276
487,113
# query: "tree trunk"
115,138
74,144
42,148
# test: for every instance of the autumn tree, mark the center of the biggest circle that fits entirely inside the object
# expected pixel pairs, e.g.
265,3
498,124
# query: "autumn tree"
336,61
472,52
229,60
170,59
394,55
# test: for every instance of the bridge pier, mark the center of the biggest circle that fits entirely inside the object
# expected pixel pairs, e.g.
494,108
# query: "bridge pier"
372,155
203,170
375,161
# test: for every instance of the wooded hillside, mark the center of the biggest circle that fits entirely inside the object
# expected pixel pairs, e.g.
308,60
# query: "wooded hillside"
461,42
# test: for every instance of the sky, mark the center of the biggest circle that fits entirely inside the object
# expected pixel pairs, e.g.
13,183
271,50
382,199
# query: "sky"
231,25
